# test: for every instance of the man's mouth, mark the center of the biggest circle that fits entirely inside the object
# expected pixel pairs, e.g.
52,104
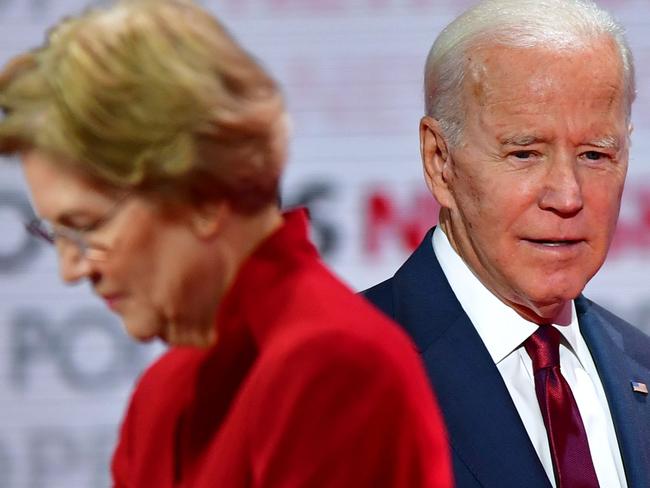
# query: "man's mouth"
555,242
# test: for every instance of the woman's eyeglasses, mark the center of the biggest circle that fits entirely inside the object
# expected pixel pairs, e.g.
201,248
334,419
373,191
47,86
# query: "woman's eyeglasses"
80,238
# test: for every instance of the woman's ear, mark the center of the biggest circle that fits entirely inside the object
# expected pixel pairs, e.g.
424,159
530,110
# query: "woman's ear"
207,219
436,160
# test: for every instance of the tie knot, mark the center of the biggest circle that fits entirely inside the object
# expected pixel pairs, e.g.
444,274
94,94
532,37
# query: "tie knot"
543,347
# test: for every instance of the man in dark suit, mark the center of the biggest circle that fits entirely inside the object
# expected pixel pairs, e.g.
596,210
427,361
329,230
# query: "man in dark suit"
525,146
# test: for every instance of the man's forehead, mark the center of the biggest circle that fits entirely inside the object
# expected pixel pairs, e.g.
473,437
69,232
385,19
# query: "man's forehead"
503,74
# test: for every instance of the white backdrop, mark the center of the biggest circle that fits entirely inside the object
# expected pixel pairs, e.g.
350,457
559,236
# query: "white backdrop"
351,70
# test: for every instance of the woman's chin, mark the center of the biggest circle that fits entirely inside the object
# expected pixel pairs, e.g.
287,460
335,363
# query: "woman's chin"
143,330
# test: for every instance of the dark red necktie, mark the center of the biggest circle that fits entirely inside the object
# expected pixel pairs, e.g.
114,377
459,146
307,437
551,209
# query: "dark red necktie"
566,433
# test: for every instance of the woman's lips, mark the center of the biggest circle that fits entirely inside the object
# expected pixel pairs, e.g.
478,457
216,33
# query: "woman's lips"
112,301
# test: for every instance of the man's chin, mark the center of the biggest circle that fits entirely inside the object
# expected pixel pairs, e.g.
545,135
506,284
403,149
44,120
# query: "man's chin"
556,310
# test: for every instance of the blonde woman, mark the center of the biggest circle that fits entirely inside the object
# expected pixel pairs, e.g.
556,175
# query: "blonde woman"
152,145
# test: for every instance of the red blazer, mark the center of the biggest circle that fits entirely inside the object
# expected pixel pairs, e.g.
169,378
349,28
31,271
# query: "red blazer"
307,386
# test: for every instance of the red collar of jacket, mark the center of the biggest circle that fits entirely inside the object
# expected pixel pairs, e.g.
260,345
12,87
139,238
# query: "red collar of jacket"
263,285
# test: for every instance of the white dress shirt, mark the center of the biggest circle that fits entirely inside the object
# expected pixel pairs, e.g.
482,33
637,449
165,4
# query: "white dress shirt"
503,332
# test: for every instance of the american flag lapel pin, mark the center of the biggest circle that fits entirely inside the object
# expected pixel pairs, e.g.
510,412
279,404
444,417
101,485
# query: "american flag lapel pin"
639,387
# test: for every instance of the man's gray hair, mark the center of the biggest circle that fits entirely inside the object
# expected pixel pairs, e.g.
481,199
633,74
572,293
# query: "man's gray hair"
553,24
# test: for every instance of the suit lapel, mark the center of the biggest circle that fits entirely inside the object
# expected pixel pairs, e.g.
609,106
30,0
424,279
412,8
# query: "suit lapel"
486,432
630,411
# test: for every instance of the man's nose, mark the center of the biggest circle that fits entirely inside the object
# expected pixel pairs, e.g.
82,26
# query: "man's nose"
562,188
73,265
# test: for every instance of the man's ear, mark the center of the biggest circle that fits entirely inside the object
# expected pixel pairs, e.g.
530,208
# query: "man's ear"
207,219
436,160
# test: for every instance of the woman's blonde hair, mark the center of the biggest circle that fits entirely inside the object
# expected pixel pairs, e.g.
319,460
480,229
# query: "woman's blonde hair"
150,94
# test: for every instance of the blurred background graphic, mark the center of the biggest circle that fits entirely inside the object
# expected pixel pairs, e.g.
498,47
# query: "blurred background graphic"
352,74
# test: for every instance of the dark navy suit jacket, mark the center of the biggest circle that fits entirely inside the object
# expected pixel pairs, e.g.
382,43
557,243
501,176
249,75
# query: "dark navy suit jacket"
489,444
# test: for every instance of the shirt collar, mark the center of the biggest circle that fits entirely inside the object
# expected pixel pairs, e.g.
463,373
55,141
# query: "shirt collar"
501,329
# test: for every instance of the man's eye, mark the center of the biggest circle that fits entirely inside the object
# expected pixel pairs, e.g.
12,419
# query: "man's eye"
594,155
523,154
